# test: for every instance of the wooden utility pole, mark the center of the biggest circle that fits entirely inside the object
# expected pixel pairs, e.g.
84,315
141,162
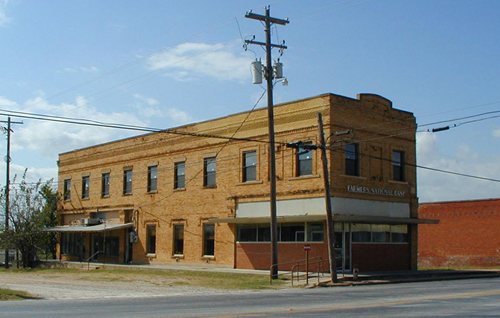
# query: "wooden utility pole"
8,130
328,201
268,73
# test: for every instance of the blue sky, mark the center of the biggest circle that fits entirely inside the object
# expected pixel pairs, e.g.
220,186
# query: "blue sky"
166,63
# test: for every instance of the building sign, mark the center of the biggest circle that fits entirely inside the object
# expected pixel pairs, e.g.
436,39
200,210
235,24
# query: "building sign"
375,191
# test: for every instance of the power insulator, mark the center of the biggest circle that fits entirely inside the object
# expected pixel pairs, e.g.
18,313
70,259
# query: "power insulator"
278,70
257,72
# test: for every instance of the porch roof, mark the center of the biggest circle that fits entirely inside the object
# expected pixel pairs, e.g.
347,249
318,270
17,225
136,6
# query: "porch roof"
90,228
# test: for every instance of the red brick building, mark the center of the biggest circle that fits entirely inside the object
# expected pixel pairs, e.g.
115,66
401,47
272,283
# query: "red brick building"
468,234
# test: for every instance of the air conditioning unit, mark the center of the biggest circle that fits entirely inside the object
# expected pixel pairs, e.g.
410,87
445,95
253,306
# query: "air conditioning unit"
90,221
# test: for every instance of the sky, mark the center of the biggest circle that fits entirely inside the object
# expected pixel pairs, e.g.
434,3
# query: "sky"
167,63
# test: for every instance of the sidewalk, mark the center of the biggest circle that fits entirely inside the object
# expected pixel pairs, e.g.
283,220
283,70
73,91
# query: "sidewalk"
344,279
409,277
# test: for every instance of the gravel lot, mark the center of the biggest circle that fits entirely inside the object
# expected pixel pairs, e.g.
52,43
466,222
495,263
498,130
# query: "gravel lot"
82,286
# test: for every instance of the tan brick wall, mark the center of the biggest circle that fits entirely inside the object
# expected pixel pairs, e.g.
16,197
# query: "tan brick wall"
371,118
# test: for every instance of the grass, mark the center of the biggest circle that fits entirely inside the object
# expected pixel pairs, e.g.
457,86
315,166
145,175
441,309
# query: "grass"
9,294
180,278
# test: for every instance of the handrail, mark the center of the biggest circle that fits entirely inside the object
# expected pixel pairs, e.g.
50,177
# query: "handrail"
90,258
296,268
296,263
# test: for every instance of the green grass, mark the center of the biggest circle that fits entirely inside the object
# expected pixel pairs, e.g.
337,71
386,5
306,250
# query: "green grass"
185,278
9,294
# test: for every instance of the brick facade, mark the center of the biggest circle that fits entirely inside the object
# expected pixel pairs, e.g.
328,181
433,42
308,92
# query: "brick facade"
468,234
376,127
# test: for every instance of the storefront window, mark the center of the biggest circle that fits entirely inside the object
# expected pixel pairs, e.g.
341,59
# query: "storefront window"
361,233
399,233
381,233
315,232
247,233
292,232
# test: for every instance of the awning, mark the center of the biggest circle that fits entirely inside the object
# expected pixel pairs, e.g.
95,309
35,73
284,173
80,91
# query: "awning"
90,228
318,218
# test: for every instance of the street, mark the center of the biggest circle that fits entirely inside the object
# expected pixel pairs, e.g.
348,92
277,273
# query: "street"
457,298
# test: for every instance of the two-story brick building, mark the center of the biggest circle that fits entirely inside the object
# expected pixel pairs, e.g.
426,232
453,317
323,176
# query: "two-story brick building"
200,192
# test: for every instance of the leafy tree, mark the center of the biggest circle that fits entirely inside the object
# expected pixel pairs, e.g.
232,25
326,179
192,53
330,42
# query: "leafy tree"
32,209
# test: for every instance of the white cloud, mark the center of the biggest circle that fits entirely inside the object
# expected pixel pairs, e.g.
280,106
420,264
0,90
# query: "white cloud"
82,69
50,138
438,186
496,133
4,19
149,107
5,102
186,60
148,100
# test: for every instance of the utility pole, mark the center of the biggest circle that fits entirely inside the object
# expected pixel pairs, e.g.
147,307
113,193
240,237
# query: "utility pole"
328,201
8,130
269,75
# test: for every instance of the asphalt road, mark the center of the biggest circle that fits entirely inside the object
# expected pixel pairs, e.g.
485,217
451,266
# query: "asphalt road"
456,298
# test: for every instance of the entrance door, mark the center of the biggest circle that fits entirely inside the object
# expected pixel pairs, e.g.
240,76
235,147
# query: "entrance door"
343,247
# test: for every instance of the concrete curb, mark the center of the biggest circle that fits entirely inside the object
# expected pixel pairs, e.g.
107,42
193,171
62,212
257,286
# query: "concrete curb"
425,277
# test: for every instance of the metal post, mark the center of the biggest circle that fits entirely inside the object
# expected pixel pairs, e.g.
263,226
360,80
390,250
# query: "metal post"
307,266
328,202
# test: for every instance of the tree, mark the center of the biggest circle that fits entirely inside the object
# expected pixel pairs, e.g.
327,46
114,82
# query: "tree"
32,209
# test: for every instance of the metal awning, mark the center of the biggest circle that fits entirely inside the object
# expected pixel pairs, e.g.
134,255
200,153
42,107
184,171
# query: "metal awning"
318,218
90,228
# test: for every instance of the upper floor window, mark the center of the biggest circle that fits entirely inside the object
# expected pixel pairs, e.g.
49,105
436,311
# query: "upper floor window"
351,153
67,189
209,172
180,175
398,165
85,187
304,157
249,166
152,178
127,181
105,184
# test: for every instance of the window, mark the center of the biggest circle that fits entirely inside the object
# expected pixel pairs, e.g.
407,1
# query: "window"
304,161
127,181
152,178
398,165
379,233
105,184
151,238
209,171
254,233
249,166
351,160
399,233
85,187
361,233
67,189
178,239
291,232
71,244
112,247
180,175
315,232
208,239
